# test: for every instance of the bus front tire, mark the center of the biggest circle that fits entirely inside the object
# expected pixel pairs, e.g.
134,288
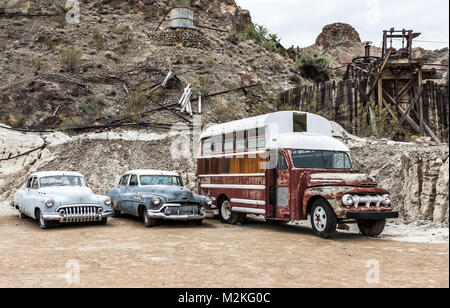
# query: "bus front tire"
226,214
323,219
372,228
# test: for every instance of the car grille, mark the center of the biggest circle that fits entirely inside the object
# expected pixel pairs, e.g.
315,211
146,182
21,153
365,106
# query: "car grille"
184,210
83,213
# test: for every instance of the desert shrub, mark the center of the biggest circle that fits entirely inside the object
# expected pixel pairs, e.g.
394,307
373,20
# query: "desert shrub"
125,43
98,39
91,105
71,58
37,63
315,66
205,85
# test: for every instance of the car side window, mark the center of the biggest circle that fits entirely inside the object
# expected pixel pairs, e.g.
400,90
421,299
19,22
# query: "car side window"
35,184
134,180
124,180
282,164
30,180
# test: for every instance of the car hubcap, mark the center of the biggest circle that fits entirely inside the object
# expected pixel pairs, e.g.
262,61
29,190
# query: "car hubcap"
146,218
320,218
226,210
41,220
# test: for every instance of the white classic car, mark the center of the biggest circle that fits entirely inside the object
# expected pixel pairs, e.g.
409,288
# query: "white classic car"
61,197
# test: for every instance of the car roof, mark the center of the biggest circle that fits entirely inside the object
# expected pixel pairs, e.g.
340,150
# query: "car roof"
152,172
56,173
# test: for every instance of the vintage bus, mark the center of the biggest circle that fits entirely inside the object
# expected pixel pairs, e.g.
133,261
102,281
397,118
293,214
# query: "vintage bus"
286,166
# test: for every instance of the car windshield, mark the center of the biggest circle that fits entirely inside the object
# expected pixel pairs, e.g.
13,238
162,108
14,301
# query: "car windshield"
62,180
148,180
307,159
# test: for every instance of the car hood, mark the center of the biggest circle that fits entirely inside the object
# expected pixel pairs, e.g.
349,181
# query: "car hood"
170,193
341,179
70,195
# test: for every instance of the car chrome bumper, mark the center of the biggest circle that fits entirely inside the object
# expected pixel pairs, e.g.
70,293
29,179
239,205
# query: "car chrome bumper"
372,215
70,218
160,215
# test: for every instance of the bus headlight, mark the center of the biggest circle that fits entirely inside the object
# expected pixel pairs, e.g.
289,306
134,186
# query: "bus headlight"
348,200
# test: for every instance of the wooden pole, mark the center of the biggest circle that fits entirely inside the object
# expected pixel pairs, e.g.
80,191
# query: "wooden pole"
380,92
421,115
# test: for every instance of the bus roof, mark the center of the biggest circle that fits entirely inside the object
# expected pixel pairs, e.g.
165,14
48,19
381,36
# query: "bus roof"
307,141
275,123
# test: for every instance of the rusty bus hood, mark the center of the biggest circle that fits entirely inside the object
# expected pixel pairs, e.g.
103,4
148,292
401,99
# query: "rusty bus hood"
341,179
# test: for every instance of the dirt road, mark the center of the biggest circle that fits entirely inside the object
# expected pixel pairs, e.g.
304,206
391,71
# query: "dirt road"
125,254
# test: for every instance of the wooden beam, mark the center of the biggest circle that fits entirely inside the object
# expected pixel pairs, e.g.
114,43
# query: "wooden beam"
390,100
380,93
380,72
406,88
421,111
406,113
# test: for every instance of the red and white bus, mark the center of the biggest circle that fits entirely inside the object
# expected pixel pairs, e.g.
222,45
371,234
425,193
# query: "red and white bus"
286,166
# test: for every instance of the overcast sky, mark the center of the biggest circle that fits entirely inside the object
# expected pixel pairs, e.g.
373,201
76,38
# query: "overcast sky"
299,22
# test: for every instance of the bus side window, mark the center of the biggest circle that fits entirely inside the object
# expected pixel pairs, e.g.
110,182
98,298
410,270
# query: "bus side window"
252,139
217,144
261,141
240,141
206,146
282,164
229,143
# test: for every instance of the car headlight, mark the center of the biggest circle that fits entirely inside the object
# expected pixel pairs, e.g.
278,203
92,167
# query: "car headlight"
50,203
387,199
209,201
108,202
348,200
156,201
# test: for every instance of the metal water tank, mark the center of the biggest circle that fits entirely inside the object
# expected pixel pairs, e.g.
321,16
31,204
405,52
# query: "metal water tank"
182,18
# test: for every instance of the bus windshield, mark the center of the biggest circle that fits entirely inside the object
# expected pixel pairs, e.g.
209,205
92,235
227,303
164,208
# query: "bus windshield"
63,180
149,180
307,159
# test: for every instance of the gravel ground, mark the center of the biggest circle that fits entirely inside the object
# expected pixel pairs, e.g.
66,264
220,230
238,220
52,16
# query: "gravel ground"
125,254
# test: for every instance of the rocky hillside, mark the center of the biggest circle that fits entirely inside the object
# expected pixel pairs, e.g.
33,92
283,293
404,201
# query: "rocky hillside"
56,74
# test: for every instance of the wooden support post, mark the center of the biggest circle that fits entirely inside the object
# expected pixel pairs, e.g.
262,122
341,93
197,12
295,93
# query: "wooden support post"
380,93
421,115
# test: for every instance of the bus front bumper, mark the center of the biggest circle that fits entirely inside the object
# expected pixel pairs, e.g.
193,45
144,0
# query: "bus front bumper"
371,215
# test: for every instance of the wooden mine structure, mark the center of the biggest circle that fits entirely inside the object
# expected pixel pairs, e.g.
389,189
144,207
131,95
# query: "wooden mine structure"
396,82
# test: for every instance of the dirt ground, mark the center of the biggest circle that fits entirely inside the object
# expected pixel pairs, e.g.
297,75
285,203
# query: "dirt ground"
125,254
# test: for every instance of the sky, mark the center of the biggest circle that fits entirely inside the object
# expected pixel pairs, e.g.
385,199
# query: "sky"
299,22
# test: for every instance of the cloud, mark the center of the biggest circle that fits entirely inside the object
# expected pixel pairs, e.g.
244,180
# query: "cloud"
299,22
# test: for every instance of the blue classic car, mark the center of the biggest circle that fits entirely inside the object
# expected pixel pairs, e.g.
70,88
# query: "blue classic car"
154,195
61,197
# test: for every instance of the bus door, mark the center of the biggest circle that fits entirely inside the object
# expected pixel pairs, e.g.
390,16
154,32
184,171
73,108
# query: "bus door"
279,191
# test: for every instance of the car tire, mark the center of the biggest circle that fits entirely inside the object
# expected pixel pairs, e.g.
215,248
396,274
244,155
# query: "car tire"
103,222
372,228
22,215
149,222
226,215
242,219
116,213
323,219
43,224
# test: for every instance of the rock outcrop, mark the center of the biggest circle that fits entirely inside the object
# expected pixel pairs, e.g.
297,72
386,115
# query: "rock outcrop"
337,33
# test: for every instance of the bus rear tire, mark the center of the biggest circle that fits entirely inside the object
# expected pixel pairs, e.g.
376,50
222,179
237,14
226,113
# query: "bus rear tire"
226,215
323,219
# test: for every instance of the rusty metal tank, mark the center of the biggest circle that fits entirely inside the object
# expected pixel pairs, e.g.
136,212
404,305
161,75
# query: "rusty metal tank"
182,18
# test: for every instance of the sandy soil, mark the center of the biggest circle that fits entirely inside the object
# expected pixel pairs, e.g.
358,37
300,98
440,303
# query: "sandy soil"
125,254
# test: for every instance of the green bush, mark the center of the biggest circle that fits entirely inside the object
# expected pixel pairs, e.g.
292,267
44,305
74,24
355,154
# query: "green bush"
315,66
92,105
261,36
